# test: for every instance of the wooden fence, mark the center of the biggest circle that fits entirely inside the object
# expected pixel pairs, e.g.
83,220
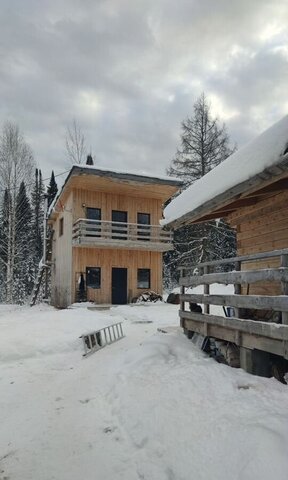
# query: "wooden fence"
248,332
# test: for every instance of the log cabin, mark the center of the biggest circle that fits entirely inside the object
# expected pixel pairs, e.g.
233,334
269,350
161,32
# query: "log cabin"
249,190
107,243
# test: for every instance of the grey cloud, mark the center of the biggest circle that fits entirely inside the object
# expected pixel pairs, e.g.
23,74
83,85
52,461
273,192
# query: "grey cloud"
143,65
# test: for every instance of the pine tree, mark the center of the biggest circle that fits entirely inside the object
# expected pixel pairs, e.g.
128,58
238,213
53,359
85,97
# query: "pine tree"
4,242
52,189
38,215
204,145
24,258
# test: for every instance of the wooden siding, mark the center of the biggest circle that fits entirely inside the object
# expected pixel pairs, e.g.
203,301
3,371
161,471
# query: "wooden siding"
62,258
108,202
107,259
260,228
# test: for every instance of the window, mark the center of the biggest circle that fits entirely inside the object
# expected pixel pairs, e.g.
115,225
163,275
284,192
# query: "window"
93,213
61,227
143,278
143,219
93,277
119,217
93,227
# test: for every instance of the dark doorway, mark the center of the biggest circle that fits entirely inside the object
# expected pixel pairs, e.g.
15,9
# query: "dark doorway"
118,217
119,286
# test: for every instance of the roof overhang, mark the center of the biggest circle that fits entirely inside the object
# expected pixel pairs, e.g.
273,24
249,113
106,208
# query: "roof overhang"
272,180
101,180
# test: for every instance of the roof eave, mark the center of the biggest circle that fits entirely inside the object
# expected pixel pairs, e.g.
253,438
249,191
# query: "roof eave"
269,175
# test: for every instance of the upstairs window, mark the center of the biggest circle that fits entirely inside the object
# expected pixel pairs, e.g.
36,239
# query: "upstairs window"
143,221
143,278
93,277
93,227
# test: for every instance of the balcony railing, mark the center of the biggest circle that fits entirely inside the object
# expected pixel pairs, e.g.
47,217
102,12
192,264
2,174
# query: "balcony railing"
101,233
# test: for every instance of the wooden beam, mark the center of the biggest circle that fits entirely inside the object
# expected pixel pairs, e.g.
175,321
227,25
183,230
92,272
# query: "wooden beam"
242,277
264,329
257,302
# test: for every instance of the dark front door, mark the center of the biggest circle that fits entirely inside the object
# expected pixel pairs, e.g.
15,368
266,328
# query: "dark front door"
119,286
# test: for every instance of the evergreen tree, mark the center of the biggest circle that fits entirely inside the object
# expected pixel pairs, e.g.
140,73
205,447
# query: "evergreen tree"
38,215
4,242
52,189
24,241
204,145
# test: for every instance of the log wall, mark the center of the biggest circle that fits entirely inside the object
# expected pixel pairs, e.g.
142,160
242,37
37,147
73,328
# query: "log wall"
260,228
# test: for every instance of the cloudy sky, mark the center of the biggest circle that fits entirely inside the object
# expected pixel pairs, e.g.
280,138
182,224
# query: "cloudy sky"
130,70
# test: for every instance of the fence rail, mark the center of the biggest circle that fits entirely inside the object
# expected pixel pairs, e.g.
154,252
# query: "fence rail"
247,327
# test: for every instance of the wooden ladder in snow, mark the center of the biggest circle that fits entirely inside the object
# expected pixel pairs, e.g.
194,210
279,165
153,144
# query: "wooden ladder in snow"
98,339
37,284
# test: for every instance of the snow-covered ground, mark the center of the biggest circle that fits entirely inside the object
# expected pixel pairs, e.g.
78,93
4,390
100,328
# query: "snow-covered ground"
149,407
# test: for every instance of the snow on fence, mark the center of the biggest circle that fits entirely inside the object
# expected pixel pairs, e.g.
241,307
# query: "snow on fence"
94,341
244,328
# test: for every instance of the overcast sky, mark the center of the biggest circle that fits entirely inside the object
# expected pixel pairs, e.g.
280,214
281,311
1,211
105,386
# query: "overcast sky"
129,72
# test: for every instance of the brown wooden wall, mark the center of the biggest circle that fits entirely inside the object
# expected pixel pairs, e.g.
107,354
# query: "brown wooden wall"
109,258
260,228
109,201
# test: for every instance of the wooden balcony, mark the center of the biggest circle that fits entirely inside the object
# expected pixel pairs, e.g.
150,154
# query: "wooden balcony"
258,321
132,236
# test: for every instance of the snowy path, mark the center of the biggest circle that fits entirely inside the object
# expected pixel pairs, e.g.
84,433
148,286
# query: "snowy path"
150,407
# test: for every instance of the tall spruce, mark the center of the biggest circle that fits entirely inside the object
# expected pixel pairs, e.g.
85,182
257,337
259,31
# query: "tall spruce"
4,242
24,258
38,215
52,189
204,145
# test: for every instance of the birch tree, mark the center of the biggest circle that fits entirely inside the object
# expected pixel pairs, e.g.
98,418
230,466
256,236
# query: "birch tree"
75,144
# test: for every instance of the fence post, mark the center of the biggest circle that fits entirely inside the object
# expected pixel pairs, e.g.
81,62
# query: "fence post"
284,285
182,290
237,288
206,290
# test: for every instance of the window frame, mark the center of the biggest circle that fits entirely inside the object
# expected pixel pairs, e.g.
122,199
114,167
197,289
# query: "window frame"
139,281
94,286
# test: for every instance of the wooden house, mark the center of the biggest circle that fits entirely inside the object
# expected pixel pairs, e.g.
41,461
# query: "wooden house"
107,242
249,190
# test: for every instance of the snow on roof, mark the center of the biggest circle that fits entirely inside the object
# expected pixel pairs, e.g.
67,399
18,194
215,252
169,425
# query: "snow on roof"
138,173
144,176
263,152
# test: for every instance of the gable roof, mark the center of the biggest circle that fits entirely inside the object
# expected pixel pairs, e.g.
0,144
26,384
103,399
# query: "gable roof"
231,184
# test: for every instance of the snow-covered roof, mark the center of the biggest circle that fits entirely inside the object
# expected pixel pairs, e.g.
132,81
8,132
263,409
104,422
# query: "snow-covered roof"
137,173
266,151
133,176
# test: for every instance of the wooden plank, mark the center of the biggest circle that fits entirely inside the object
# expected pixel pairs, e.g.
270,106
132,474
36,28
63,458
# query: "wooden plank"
264,329
268,238
247,340
240,258
241,277
257,302
265,224
262,208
